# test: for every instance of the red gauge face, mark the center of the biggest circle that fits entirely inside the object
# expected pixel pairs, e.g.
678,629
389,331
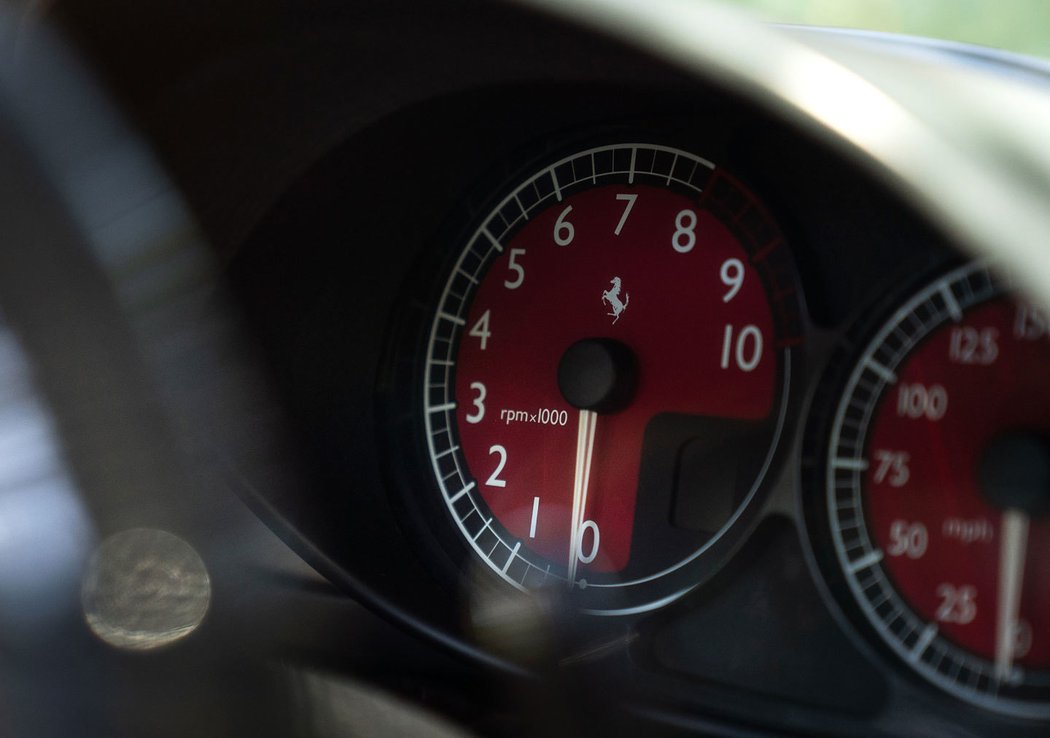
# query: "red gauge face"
607,368
953,488
966,386
606,282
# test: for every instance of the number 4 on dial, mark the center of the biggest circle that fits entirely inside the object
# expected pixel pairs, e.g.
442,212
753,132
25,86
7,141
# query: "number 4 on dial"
481,330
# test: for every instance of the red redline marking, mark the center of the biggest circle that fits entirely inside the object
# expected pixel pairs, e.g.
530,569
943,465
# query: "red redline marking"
766,250
709,188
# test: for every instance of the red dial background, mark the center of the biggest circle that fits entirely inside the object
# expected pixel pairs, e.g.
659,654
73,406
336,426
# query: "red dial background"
674,322
941,492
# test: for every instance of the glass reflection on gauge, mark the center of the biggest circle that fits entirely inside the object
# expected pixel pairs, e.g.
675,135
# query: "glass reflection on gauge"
938,490
608,371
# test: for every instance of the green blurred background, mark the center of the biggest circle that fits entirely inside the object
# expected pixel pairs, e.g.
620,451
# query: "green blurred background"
1016,25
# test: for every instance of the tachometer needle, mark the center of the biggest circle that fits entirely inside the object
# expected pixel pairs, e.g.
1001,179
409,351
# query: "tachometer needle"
581,480
1012,544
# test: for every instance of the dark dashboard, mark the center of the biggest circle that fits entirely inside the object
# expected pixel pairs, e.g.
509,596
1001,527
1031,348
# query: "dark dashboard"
605,391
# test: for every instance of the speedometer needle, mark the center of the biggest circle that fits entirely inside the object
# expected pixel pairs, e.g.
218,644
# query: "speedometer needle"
584,450
1013,540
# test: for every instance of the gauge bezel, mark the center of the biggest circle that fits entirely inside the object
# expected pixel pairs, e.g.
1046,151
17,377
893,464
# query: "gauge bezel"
780,280
850,564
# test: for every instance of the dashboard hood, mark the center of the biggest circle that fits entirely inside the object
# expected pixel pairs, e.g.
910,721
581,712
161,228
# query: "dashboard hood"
138,400
964,142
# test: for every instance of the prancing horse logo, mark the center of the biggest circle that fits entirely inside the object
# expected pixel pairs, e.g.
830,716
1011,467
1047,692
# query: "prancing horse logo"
612,296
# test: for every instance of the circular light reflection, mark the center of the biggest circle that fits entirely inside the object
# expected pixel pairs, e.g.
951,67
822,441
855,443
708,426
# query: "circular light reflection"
143,589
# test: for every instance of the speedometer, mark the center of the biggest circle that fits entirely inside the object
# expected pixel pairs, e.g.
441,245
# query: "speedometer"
607,374
937,479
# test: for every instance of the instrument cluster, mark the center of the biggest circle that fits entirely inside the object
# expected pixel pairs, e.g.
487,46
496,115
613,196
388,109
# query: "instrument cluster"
605,408
634,365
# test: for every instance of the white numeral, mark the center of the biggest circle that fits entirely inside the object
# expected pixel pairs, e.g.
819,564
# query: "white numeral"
629,199
481,330
1030,324
747,351
968,345
479,403
563,230
588,557
892,466
684,238
958,604
513,284
919,401
907,539
1022,639
494,480
732,274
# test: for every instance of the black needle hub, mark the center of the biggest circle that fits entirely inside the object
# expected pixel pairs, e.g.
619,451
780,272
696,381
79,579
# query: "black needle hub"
1014,473
598,374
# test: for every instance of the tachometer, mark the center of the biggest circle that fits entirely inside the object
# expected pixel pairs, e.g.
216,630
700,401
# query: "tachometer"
607,374
938,487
